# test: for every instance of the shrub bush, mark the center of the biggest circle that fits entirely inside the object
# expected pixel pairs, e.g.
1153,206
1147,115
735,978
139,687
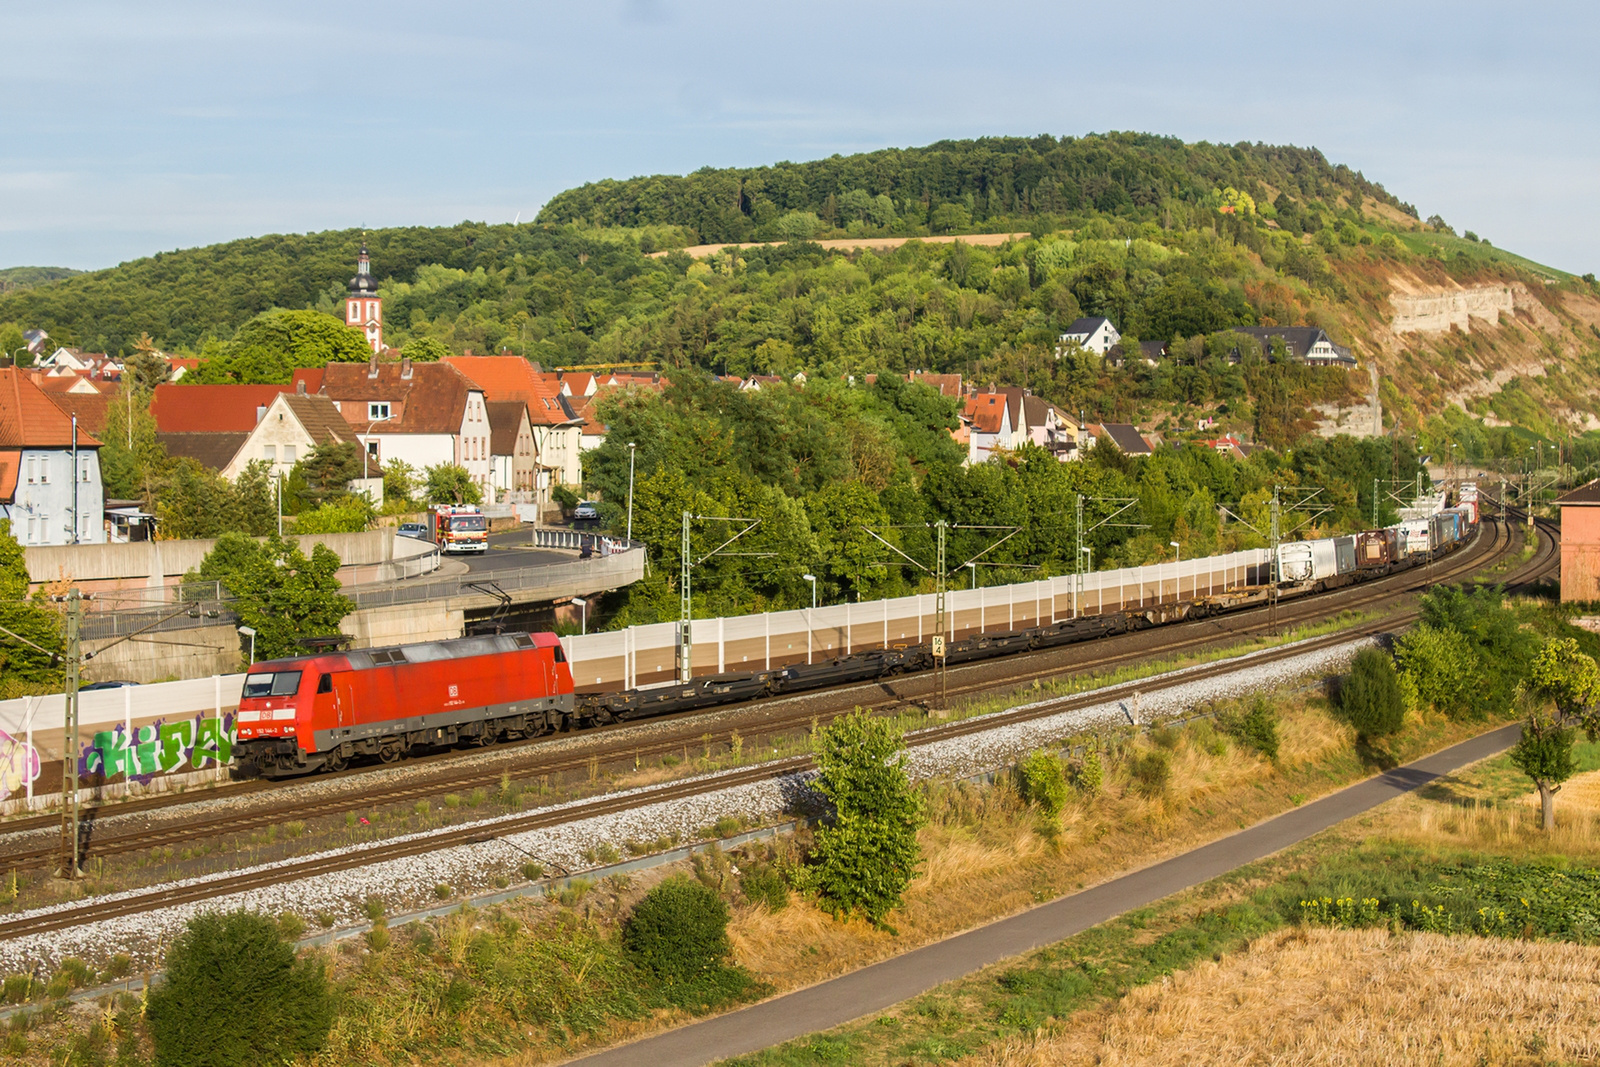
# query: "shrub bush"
1089,776
1151,772
279,1008
1040,781
678,932
1256,727
1370,699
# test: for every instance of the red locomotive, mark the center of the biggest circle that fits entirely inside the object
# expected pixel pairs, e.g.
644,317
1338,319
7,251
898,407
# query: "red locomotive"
317,712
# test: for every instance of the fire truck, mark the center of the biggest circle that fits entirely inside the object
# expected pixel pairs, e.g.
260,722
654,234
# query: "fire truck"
458,528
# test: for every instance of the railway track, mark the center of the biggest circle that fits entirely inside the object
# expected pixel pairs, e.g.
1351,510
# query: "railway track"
766,717
167,896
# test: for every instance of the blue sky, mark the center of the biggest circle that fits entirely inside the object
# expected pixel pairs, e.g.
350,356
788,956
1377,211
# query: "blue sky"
127,129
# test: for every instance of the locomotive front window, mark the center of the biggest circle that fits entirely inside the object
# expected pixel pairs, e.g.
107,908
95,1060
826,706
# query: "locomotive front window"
469,523
273,684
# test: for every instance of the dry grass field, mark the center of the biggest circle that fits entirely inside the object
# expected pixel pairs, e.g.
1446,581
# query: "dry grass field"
1312,996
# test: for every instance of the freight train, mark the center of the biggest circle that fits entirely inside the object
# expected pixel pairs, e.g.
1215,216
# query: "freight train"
320,712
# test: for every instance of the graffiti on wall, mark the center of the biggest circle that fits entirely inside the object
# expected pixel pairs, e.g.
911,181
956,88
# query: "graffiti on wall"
19,765
160,748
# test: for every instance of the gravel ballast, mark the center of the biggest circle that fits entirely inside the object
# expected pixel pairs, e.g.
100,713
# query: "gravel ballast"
339,898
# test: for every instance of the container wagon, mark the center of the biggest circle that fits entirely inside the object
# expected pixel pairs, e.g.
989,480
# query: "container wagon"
318,712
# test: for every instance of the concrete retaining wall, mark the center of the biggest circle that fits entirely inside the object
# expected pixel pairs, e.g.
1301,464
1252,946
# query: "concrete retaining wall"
154,565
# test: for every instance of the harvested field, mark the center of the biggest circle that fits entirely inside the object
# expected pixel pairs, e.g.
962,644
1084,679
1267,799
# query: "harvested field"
1319,996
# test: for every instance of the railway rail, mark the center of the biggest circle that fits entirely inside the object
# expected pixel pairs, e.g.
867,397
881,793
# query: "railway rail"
149,900
764,717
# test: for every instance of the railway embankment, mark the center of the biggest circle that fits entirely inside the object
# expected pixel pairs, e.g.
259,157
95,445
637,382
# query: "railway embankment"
483,856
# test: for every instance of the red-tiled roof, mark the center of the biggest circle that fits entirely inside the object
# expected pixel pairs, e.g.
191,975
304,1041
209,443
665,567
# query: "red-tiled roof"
10,466
433,399
512,378
312,376
985,411
180,408
947,384
91,409
29,420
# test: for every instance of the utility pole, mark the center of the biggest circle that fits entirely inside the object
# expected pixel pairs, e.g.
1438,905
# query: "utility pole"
70,867
940,622
1374,503
1077,555
685,607
1272,600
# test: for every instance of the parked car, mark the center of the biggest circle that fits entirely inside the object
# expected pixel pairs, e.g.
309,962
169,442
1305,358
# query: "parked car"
91,686
586,509
413,529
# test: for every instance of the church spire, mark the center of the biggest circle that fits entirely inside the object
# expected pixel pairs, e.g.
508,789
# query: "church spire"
364,310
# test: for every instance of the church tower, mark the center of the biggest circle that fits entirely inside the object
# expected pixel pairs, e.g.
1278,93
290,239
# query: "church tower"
363,310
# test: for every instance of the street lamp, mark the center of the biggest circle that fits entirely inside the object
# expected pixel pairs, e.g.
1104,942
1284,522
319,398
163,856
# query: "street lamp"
583,604
812,578
246,631
1177,579
972,569
630,492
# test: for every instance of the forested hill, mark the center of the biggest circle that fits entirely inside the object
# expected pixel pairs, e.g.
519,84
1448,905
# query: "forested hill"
14,278
993,183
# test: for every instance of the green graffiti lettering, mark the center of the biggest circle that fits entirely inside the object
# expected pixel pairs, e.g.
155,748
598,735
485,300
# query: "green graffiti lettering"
144,749
212,742
176,739
110,754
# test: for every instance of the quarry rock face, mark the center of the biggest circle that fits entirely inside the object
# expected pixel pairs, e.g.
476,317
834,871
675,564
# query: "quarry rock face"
1437,310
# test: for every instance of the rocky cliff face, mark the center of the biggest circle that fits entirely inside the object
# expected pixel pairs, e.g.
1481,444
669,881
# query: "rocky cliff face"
1436,311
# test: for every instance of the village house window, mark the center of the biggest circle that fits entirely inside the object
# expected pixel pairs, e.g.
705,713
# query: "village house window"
269,453
288,453
83,468
378,409
44,469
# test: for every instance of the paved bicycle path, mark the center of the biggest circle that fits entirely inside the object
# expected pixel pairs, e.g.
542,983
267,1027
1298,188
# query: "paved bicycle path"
872,989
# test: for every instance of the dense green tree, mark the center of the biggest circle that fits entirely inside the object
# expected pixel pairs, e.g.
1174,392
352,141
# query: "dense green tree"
280,1007
268,348
1369,698
1565,678
328,470
425,350
867,853
278,590
448,483
30,652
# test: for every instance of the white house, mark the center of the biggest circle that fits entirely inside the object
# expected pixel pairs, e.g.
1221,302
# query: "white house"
293,425
556,426
1094,334
1006,419
424,414
49,499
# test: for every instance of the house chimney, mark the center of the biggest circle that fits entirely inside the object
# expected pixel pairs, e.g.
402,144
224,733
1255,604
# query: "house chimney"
372,367
261,412
405,366
300,387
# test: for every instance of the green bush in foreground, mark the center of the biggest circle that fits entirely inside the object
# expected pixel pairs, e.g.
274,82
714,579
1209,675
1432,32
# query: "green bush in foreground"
277,1007
1040,781
1370,699
679,931
867,854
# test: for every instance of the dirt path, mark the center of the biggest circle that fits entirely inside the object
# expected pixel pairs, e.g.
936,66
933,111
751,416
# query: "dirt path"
874,243
871,989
